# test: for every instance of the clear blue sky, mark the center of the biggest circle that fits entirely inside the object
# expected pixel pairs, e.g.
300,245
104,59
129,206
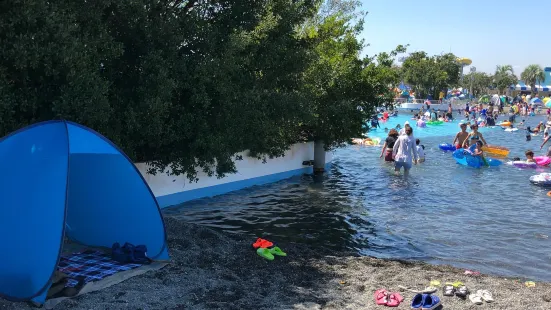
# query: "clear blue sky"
490,32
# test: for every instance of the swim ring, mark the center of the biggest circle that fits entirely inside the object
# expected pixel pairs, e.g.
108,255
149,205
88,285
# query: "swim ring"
496,150
542,179
373,142
421,123
542,160
447,147
464,157
522,164
368,141
435,122
505,124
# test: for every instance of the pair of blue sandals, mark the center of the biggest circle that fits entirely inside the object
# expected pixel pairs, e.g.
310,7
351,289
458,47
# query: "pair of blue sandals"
425,302
130,254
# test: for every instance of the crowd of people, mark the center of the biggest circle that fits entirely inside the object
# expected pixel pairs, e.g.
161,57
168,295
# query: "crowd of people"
404,150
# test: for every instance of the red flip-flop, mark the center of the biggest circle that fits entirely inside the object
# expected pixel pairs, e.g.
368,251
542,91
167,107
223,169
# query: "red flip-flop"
394,300
381,297
262,243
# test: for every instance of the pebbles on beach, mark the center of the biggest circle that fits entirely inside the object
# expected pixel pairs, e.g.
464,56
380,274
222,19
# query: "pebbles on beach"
217,270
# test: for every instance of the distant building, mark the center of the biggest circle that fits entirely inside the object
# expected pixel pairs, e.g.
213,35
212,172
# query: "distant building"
543,87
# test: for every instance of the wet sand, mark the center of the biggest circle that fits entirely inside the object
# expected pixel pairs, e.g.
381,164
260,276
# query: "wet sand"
217,270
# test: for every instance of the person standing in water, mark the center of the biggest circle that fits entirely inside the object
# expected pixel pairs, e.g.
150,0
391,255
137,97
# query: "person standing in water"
403,130
389,145
405,152
461,136
473,137
450,112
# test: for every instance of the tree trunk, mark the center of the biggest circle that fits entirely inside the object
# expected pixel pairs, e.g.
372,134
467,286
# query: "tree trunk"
319,157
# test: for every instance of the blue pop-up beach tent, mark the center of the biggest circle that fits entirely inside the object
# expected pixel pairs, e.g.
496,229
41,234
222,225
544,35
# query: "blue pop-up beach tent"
59,179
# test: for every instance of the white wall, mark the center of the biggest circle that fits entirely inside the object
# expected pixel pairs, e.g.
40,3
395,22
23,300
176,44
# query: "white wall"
163,184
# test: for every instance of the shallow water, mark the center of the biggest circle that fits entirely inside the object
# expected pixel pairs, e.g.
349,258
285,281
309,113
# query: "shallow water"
489,219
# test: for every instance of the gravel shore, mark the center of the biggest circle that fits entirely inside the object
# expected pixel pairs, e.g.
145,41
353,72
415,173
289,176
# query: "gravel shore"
217,270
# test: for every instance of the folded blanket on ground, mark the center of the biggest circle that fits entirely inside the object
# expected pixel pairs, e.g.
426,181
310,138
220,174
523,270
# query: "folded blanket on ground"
91,265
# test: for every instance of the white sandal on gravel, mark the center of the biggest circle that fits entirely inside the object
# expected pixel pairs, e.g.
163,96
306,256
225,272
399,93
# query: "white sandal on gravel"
476,298
486,295
427,290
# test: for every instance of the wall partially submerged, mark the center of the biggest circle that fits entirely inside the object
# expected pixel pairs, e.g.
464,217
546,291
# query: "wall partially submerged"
172,190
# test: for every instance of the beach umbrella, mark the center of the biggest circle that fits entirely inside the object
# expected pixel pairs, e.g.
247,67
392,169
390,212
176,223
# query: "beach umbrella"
546,99
536,101
548,104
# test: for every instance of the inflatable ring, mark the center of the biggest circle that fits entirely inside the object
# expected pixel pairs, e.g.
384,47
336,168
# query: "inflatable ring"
447,147
435,122
542,179
505,124
542,160
522,164
373,142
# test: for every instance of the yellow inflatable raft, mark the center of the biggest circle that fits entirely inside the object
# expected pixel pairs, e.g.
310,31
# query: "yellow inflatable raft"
505,124
496,150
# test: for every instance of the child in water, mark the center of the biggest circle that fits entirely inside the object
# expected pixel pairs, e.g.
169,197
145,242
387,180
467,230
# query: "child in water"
529,133
420,151
529,157
478,150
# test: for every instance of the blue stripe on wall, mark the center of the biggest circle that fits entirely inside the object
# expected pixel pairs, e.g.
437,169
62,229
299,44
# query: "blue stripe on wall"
210,191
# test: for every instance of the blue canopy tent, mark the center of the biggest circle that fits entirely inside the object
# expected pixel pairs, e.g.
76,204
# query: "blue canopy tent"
60,179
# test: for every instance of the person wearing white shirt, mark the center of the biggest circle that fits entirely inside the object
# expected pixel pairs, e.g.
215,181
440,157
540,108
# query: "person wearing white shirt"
405,152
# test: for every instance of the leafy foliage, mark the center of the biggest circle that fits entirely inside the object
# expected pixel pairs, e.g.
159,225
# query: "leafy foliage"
504,77
477,82
341,90
532,75
189,84
431,74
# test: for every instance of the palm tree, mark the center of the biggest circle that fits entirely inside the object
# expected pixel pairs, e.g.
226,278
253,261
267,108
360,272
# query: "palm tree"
532,75
504,70
504,77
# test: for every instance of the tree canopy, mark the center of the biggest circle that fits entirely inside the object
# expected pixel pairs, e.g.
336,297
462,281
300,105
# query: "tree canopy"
188,84
477,82
428,75
504,77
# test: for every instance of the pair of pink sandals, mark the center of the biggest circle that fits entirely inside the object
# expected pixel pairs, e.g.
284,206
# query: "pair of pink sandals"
385,298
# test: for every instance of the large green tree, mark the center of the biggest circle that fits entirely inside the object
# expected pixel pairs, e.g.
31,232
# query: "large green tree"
532,75
430,74
341,89
477,82
188,84
185,83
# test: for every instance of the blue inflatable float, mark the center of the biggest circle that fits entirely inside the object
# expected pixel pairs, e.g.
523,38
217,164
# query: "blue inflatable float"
446,147
464,157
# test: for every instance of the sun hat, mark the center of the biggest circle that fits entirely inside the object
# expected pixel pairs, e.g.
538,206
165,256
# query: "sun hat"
406,123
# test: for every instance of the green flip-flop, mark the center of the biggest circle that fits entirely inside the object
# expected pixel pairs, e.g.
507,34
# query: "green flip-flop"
263,252
277,251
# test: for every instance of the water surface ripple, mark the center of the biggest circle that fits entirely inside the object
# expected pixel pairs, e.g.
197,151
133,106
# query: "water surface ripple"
492,219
